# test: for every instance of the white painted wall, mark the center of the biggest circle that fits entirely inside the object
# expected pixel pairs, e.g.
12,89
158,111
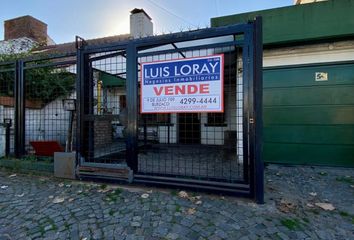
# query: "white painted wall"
49,123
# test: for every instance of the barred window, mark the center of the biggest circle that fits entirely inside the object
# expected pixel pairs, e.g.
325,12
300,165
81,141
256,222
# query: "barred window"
216,119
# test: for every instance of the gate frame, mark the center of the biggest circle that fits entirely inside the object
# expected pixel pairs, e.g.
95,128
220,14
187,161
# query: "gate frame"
252,124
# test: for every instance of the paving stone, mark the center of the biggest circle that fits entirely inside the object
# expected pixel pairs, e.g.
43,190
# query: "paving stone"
135,224
165,216
172,236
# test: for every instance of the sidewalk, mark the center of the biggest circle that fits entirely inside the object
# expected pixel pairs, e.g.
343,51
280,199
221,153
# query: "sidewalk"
296,201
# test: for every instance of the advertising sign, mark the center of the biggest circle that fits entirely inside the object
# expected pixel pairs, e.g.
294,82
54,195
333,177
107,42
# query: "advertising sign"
184,85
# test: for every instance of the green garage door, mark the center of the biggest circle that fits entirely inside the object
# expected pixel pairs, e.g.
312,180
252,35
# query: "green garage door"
308,121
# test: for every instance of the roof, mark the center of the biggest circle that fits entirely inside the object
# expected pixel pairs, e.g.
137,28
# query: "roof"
71,46
311,22
110,80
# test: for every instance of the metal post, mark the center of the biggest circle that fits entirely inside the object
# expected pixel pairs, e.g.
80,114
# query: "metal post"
132,106
81,146
19,109
258,89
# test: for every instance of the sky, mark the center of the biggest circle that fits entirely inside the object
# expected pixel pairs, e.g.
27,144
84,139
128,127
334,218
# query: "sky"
100,18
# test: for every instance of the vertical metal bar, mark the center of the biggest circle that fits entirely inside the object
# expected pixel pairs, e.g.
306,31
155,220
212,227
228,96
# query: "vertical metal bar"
81,145
20,109
79,70
258,89
7,141
246,78
16,112
132,107
89,125
249,119
80,98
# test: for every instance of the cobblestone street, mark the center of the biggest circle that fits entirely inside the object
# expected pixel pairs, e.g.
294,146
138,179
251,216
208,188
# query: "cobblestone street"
301,203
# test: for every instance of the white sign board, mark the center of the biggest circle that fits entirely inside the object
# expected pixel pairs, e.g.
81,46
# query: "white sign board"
184,85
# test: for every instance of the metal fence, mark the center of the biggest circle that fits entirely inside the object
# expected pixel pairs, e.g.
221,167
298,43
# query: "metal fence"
32,94
199,146
113,139
104,136
214,151
48,83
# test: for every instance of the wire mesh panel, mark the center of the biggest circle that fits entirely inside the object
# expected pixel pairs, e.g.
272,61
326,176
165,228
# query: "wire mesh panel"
196,145
7,108
105,111
50,93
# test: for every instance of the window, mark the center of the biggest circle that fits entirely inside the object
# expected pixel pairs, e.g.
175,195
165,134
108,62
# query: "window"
156,119
216,119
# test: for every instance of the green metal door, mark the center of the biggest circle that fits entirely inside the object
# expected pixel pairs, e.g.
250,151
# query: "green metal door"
309,115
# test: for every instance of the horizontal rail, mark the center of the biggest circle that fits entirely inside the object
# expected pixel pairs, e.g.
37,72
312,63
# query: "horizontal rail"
192,48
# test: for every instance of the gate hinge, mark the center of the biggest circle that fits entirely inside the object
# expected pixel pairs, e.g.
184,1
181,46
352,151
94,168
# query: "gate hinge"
251,120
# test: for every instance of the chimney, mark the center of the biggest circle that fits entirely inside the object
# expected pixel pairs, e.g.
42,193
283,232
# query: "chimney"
140,23
26,26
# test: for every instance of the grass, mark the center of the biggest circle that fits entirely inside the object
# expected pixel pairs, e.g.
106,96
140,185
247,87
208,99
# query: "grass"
111,212
291,224
346,179
49,222
114,195
323,173
347,215
28,163
315,211
178,208
174,192
344,214
67,225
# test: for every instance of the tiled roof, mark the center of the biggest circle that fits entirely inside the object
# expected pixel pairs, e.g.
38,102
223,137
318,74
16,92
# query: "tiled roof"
71,48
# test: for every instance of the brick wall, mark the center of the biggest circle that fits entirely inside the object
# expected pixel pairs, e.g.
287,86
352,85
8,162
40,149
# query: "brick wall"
26,26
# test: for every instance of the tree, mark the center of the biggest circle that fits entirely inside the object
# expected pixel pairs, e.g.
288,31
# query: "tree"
42,84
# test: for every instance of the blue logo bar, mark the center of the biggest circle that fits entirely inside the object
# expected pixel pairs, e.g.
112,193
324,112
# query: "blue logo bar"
182,71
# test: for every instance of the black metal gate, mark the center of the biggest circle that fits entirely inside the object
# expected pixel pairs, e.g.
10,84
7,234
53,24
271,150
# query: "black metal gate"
213,151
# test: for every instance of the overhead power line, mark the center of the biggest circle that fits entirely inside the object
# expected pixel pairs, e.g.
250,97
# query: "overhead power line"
173,14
